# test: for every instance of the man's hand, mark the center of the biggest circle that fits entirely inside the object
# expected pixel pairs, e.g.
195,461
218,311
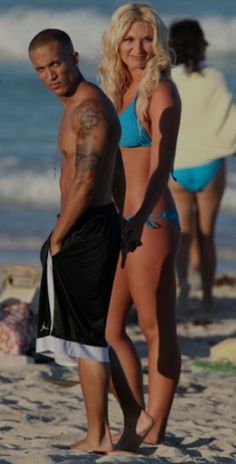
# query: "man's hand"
55,247
131,233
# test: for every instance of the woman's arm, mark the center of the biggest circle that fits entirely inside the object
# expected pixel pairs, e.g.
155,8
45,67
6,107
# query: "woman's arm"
119,184
164,112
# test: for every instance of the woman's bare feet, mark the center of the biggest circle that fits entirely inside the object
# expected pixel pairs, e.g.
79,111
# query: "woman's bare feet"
116,436
150,439
156,435
134,433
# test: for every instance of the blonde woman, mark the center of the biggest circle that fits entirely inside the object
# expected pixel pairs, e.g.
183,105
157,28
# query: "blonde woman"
135,74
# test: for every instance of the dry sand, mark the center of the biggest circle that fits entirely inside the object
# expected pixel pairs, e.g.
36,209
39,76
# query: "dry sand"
42,410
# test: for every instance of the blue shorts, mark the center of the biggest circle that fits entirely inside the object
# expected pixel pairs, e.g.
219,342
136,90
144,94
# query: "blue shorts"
197,178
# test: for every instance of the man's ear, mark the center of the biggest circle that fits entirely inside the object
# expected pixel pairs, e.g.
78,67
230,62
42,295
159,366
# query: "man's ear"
76,57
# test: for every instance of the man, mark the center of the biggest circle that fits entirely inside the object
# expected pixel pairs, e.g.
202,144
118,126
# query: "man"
80,256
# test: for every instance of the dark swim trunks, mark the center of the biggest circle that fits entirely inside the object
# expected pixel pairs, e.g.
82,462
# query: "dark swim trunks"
76,287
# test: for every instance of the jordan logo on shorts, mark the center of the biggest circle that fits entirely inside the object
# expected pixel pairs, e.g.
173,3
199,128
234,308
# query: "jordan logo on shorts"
44,327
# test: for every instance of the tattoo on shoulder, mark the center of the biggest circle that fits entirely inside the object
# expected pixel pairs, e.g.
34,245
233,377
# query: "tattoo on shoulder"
90,113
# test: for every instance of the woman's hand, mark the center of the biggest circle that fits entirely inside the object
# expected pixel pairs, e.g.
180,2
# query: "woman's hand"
131,233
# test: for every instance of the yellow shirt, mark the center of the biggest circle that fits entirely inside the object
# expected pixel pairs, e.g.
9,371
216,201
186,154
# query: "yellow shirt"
208,120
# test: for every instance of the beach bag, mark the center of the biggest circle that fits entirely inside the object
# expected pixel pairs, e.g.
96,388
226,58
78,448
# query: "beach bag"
17,332
15,329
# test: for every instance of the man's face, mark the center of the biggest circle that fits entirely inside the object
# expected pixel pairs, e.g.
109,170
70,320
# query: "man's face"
55,67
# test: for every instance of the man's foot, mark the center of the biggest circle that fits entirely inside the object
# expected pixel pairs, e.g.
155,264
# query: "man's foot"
104,447
134,433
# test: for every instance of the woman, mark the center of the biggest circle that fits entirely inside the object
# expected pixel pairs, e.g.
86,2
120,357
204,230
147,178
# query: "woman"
207,134
135,74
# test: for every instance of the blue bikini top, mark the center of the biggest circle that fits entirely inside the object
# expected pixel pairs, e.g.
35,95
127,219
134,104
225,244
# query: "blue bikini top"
132,133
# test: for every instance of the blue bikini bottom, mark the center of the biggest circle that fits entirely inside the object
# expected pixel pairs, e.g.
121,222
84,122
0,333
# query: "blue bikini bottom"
197,178
169,214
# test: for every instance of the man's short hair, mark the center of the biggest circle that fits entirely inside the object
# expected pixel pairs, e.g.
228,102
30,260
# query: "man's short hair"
52,35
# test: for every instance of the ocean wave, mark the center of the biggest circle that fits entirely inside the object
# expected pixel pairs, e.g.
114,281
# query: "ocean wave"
18,242
228,201
85,26
41,189
29,188
19,25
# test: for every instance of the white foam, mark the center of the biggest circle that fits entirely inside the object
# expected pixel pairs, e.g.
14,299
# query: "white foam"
41,188
228,202
85,26
19,242
19,25
220,32
29,188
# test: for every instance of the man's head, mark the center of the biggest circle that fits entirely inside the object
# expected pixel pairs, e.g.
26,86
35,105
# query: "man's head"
55,61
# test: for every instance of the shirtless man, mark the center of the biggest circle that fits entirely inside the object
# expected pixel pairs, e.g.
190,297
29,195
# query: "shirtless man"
79,258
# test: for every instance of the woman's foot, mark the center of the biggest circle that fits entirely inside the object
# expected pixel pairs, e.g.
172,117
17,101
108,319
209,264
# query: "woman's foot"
135,433
156,436
115,437
152,439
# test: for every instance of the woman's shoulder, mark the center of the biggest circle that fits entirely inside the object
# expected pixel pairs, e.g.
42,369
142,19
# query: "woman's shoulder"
164,95
165,89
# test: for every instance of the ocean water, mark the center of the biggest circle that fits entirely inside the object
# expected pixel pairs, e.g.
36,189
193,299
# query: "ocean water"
29,161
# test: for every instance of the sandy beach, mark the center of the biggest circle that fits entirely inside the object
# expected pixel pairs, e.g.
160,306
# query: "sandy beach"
42,410
41,406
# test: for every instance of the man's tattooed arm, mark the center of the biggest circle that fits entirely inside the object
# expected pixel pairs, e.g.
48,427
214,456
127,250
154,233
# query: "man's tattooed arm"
90,122
91,126
86,160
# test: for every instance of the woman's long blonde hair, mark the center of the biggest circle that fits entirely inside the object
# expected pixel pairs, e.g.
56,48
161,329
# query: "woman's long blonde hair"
114,75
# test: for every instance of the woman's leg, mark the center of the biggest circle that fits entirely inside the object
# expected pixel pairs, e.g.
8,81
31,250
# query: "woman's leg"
126,368
116,335
208,203
194,258
185,204
151,277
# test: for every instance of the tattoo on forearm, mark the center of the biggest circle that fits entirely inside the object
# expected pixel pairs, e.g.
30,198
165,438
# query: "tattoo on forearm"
86,160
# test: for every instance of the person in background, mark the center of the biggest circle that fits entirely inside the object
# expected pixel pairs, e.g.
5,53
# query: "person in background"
207,135
135,74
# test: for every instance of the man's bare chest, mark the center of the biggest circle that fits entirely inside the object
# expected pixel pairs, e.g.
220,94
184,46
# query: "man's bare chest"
66,138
